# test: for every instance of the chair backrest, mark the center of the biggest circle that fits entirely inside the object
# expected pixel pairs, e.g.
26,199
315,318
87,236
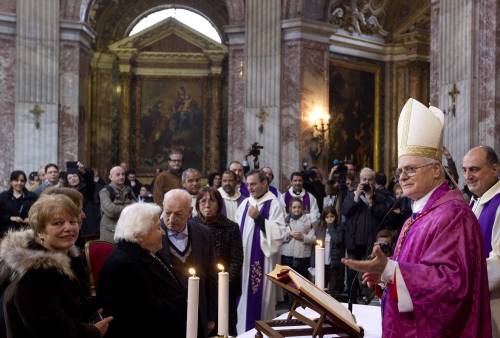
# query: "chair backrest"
96,253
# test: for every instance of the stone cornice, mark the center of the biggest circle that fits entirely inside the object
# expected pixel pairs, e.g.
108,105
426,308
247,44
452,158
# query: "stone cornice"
77,31
7,23
177,72
361,46
163,57
311,30
235,34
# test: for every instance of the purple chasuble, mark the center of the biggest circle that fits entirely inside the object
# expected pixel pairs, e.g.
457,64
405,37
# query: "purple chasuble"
256,278
306,202
238,202
273,190
244,190
486,220
444,268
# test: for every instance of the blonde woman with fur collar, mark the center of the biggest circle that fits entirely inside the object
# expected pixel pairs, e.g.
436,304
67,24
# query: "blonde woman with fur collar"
44,297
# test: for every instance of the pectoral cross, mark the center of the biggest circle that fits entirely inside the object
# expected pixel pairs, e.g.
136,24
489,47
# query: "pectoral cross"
262,116
454,93
37,112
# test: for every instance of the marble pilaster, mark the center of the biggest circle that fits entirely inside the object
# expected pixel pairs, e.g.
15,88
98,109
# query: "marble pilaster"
213,162
7,106
305,92
37,83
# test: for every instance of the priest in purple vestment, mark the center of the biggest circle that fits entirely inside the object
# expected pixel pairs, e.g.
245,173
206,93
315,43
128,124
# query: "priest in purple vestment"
481,168
436,282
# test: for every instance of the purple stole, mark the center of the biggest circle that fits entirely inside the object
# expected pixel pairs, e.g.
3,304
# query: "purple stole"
244,190
238,202
306,203
273,190
486,220
256,277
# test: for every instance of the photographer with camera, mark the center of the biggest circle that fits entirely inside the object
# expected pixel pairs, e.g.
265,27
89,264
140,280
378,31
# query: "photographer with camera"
363,209
309,203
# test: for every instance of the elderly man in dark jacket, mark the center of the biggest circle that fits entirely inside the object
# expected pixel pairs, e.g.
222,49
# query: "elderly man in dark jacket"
364,209
187,245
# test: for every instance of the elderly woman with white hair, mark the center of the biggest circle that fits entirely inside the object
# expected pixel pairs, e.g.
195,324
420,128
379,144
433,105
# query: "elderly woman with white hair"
137,286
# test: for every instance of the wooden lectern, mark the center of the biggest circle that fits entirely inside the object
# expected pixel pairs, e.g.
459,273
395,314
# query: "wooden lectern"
334,318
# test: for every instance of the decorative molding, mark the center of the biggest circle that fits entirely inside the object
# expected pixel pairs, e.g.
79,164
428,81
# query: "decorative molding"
77,31
103,61
310,30
172,57
235,34
183,72
163,29
361,19
7,23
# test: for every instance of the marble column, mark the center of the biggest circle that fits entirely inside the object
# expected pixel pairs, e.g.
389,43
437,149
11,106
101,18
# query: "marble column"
236,93
37,83
213,162
464,52
101,98
125,118
262,80
305,93
7,94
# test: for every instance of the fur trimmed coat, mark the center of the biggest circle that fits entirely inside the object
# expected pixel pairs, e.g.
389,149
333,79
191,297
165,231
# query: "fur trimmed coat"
44,297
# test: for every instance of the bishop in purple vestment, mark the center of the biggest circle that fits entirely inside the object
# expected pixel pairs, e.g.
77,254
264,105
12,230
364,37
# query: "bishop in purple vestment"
436,282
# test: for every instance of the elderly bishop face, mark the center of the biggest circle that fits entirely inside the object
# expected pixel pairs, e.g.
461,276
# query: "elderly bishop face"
417,175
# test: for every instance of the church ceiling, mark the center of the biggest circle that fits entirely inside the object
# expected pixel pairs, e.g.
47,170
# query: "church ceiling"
111,18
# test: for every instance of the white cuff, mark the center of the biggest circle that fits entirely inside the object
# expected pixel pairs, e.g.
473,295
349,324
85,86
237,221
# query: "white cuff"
388,274
404,300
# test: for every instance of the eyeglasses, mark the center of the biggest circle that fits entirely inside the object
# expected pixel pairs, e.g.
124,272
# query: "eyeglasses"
410,171
175,160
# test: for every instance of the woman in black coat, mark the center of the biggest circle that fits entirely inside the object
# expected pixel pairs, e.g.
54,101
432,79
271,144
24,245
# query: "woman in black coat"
226,241
44,296
136,286
15,203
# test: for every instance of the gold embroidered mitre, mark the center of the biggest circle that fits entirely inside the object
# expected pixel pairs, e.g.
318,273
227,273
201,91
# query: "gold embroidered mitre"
420,131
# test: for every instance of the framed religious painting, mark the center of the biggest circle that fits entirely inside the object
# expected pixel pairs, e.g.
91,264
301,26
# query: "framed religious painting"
355,113
171,113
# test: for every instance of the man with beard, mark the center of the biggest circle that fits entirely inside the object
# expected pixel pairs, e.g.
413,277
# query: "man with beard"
168,179
237,168
191,183
309,203
231,197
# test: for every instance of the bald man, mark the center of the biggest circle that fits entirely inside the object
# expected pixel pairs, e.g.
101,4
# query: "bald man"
114,198
481,168
185,246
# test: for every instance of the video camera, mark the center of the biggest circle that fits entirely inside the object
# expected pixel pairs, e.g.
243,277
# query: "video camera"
340,174
255,149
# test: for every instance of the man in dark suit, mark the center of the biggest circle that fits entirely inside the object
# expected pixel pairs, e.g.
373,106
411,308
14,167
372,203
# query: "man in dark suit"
186,245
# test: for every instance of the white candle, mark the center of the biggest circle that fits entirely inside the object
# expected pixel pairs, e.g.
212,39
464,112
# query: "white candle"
192,305
319,269
223,305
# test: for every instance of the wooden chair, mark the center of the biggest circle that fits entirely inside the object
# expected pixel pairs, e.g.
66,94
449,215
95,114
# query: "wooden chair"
96,253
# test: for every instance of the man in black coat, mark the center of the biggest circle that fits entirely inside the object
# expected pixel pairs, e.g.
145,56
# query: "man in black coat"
187,245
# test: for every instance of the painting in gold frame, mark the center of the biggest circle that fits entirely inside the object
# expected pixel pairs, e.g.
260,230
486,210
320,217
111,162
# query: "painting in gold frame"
355,112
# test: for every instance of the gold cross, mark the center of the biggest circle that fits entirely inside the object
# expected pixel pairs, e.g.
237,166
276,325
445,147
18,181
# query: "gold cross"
454,93
262,116
37,112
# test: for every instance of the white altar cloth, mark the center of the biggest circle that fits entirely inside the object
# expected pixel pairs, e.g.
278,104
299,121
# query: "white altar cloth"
367,316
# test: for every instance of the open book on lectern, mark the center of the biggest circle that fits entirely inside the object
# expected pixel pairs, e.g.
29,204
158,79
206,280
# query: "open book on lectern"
300,285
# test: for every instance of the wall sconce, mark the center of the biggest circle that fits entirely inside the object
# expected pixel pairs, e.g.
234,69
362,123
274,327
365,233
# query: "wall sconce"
321,125
453,94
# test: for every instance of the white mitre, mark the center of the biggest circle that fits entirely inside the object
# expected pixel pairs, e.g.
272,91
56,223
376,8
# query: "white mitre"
420,131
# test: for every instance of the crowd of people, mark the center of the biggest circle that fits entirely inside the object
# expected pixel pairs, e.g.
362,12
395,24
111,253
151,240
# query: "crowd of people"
242,221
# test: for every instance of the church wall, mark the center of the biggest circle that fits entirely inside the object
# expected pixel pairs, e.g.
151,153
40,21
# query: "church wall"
69,129
7,105
8,6
37,83
464,52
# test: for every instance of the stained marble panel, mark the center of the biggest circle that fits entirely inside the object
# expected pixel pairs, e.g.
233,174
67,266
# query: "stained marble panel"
7,106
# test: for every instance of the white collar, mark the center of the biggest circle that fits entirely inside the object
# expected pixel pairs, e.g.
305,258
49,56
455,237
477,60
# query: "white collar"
225,196
419,204
489,194
267,196
302,193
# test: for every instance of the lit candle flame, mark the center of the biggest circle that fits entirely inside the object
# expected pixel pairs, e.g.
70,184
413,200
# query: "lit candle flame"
319,243
220,267
192,272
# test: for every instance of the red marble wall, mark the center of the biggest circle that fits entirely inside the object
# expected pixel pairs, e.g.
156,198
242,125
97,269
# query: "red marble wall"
7,106
8,6
236,104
